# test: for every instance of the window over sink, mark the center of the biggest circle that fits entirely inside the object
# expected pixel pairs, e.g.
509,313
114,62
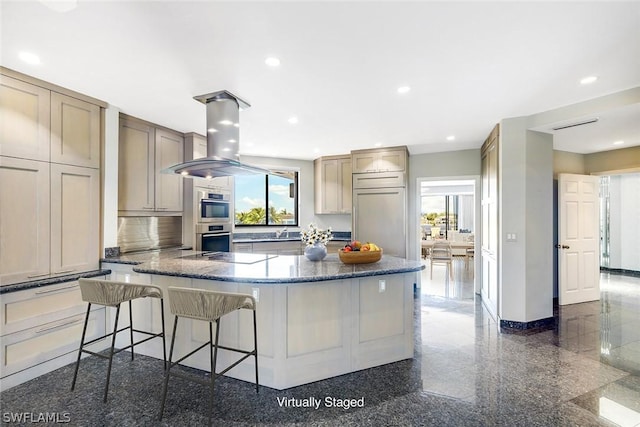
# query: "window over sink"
270,199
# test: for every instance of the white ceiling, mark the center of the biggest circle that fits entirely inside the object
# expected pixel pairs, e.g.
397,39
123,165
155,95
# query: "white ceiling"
469,65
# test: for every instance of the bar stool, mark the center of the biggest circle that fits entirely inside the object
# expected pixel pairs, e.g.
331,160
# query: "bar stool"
209,306
113,294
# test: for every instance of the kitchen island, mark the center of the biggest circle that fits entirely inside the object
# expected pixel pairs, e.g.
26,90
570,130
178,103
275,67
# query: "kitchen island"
315,319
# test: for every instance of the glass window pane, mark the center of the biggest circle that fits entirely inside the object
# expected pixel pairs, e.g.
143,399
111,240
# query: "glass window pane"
281,200
250,200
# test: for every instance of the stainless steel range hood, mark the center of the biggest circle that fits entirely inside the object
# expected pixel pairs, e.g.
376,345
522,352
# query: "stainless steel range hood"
223,130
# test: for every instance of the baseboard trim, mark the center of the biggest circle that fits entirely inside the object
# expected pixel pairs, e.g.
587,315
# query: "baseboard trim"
535,326
621,271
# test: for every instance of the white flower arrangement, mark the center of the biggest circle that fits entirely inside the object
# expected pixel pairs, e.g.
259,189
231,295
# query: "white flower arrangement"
315,235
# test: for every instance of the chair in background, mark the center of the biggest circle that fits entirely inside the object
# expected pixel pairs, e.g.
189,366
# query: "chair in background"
441,254
435,232
208,306
469,253
113,294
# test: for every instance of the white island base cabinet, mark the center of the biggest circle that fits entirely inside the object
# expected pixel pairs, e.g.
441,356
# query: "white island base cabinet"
306,331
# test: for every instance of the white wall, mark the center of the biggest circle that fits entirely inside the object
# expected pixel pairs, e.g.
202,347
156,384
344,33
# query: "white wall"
624,222
525,209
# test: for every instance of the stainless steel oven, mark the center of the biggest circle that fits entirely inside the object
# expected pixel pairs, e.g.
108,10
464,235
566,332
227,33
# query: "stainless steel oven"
213,206
213,237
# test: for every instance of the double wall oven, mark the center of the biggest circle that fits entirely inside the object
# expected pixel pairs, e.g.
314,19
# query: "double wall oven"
214,220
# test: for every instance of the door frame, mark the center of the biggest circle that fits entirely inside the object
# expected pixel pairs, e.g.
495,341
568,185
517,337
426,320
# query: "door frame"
477,264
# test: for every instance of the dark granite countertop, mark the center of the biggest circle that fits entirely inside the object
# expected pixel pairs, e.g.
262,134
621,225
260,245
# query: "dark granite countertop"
278,269
4,289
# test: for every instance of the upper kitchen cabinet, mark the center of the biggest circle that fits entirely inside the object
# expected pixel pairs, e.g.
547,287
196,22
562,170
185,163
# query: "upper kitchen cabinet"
169,151
199,144
41,121
24,119
333,185
75,132
144,151
379,160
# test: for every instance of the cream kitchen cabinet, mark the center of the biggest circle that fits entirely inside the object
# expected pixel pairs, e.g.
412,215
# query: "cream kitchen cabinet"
144,151
75,219
333,185
24,119
40,330
39,122
379,160
75,131
24,220
55,230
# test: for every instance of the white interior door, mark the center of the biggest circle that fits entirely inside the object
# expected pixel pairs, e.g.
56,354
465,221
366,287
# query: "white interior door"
578,239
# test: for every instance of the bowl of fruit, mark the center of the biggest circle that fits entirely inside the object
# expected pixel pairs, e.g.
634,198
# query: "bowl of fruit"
356,252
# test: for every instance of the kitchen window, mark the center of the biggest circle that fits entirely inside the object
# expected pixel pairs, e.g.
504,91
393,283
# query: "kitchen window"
270,199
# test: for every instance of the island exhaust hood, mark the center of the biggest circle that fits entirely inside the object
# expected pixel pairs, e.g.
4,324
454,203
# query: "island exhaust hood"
223,130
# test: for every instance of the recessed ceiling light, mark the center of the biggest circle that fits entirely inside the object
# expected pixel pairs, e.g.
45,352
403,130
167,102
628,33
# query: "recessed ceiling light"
272,61
588,80
29,58
212,130
184,173
226,149
293,120
236,125
232,141
618,143
225,122
404,89
451,137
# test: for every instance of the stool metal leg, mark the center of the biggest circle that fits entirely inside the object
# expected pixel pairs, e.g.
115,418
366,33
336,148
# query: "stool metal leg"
131,327
113,344
168,371
255,347
164,343
84,332
213,365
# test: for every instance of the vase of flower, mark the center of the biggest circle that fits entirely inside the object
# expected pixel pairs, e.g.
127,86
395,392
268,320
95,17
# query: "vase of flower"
315,252
316,240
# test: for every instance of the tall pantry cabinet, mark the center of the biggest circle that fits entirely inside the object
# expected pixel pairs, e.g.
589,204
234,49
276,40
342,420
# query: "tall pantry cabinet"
50,148
380,201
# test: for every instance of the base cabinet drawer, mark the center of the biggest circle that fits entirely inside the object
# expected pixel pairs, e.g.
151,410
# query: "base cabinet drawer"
29,308
24,349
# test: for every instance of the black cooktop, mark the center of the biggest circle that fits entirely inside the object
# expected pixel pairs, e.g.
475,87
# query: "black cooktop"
231,257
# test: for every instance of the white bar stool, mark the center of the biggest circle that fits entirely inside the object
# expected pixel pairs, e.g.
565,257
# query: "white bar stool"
113,294
209,306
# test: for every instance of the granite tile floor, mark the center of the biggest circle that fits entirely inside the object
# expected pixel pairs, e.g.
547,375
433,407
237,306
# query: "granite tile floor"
465,372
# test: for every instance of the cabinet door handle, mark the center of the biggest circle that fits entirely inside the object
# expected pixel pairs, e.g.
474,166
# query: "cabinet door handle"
65,271
39,331
48,291
37,275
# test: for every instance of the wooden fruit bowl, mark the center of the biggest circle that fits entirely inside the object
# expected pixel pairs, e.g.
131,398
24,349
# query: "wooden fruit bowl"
360,257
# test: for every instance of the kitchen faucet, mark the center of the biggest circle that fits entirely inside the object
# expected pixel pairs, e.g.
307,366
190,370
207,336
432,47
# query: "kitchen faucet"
281,232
